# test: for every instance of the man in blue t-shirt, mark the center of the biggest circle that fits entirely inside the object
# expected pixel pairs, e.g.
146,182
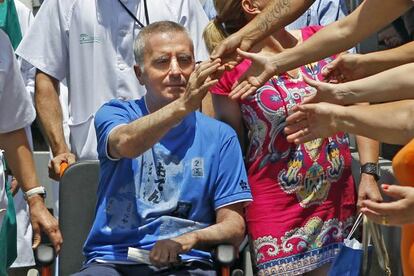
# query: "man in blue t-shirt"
172,181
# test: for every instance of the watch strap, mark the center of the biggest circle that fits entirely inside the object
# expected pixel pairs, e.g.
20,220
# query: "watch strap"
372,169
35,191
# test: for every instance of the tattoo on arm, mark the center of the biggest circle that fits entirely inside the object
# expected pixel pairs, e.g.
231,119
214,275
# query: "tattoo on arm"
276,11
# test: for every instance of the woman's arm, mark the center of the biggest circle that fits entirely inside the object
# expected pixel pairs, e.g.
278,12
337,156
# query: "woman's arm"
369,17
228,111
389,122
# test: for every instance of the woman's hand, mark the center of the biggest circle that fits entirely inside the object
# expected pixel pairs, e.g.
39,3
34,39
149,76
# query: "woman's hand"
398,212
346,67
259,72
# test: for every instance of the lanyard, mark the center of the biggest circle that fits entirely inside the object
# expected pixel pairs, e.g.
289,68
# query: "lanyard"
133,15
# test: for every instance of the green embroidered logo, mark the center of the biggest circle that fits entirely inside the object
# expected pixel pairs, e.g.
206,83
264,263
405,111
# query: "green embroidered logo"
85,38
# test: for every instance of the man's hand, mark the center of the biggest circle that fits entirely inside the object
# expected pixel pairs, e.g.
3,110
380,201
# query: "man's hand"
368,189
311,121
259,72
346,67
56,162
165,252
199,83
398,212
42,220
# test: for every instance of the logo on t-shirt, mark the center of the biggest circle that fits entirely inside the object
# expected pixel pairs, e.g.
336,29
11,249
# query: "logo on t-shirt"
197,167
85,38
243,184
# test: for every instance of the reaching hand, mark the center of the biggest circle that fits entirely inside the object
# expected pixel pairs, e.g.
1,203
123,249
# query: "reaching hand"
328,92
199,83
54,164
259,72
346,67
311,121
398,212
226,50
42,220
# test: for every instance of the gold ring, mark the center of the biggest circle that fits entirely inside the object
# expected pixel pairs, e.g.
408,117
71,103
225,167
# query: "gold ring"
384,220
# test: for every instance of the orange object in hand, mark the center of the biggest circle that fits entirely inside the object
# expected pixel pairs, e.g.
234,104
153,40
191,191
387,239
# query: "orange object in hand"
63,166
403,167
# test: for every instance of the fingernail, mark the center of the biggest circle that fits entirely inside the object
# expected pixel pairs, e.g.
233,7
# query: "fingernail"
385,186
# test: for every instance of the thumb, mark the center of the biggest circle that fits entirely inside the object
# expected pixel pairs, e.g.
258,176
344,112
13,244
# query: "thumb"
311,82
245,54
394,191
36,237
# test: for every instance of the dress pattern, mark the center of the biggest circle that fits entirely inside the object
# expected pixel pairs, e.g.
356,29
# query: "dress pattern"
303,195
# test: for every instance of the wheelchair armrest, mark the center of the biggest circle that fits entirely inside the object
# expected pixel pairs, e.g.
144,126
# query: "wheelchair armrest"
225,254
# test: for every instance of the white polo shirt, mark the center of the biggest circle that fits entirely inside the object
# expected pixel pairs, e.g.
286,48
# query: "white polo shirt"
90,42
16,108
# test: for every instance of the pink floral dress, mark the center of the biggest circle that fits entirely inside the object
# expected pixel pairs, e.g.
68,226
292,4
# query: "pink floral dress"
303,195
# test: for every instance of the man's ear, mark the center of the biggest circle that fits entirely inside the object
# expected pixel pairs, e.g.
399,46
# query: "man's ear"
138,73
250,8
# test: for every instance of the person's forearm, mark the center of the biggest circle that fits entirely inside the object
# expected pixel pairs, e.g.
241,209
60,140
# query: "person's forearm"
49,111
388,122
19,158
276,15
368,149
376,62
391,85
369,17
133,139
229,229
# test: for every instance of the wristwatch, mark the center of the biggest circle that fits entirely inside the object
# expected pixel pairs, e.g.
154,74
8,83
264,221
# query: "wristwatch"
372,169
35,191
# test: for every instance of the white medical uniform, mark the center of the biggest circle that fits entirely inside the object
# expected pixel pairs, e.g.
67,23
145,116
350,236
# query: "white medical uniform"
90,42
25,256
16,108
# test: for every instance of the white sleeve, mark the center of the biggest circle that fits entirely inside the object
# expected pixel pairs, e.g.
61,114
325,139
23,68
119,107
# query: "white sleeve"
45,45
194,18
16,108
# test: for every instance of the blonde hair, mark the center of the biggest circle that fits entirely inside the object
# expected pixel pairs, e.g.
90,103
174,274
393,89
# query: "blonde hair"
229,19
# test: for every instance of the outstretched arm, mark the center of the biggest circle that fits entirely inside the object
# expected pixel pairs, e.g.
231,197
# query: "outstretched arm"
391,85
229,228
388,122
135,138
350,67
370,16
277,14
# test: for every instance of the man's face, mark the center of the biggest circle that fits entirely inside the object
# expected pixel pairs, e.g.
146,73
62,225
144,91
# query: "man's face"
168,64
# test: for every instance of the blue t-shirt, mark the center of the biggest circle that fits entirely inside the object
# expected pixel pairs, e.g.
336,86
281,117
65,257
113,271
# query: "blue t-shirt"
173,188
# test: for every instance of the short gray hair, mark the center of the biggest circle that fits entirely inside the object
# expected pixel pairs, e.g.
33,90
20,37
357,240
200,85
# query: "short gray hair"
151,29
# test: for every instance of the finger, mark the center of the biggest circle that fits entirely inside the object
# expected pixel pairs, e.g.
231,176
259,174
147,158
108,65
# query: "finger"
304,138
296,117
384,208
373,216
206,71
249,92
246,55
395,191
293,128
206,86
244,87
311,82
36,236
155,257
70,159
56,239
219,51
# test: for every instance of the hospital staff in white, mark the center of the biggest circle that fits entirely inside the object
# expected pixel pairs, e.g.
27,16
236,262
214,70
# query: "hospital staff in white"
17,112
90,42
